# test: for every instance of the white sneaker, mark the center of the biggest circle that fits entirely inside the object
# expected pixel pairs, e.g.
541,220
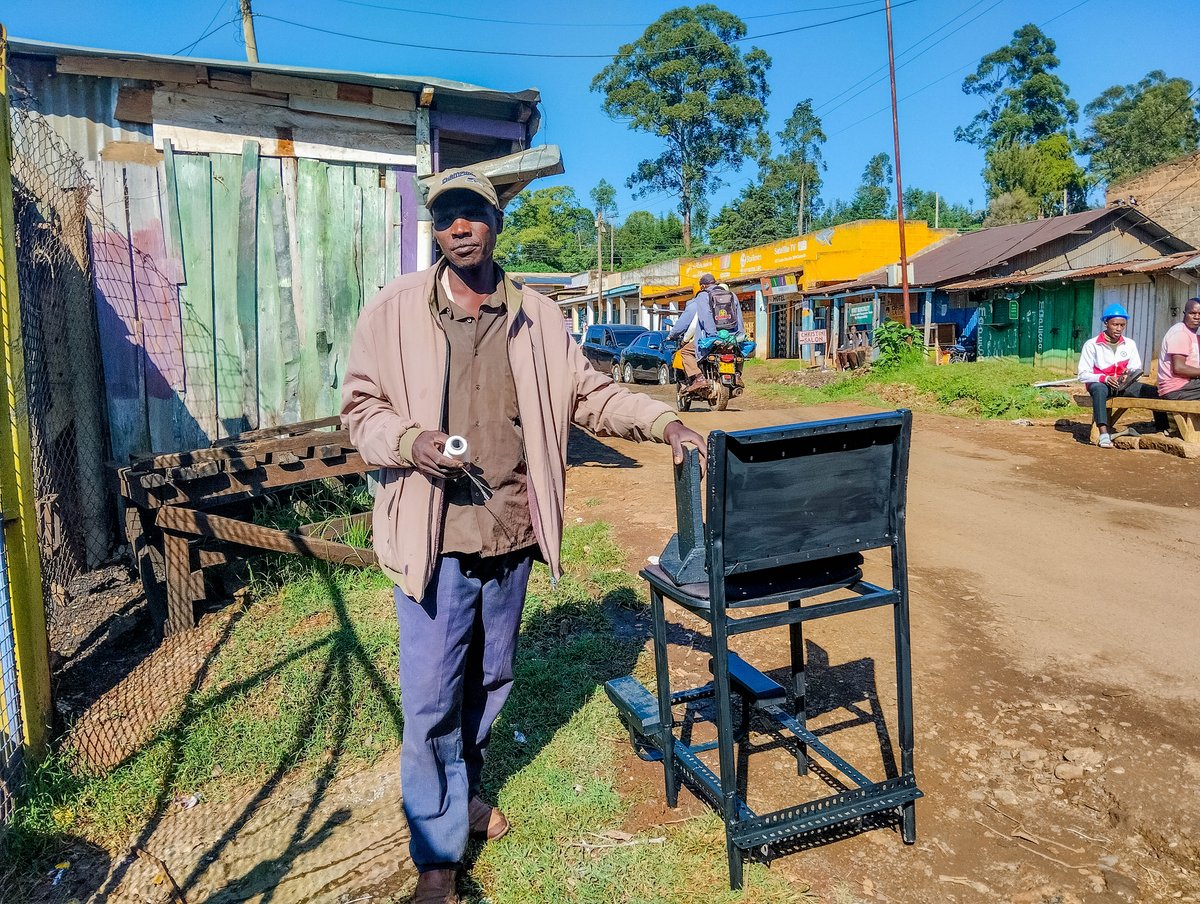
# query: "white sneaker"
1105,441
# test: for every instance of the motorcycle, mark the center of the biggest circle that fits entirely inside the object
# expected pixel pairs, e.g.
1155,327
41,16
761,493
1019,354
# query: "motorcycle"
965,350
721,367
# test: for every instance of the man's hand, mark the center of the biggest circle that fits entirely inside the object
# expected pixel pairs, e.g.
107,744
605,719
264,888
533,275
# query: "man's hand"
1112,380
428,456
677,434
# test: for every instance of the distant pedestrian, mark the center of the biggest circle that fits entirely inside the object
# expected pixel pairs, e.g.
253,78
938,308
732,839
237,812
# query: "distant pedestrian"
1110,365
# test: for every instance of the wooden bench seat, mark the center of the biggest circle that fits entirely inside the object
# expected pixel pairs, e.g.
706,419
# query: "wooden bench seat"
1184,415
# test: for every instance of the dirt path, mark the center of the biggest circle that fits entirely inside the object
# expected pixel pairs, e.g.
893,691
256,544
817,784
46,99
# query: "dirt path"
1057,682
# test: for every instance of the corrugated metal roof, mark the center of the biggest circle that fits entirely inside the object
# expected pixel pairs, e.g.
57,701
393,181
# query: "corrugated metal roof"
973,252
1153,265
379,80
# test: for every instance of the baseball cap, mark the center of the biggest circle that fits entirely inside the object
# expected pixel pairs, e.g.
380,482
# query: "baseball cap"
461,179
707,279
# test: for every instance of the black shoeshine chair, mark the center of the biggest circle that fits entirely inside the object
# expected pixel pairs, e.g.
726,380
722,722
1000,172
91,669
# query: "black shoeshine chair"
790,511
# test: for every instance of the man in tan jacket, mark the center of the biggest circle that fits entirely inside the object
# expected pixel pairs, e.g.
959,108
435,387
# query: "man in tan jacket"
459,349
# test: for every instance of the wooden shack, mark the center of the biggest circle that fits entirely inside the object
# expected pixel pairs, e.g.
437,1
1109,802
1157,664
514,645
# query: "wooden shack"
241,214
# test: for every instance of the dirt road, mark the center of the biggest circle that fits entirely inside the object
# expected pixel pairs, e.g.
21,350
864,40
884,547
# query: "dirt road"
1056,627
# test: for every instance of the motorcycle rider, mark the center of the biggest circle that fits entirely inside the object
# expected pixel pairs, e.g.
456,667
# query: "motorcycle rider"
694,324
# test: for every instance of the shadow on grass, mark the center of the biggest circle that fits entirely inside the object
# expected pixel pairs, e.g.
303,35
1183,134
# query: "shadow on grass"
573,640
345,647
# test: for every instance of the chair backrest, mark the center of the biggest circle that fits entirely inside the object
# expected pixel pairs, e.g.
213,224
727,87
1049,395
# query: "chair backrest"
802,492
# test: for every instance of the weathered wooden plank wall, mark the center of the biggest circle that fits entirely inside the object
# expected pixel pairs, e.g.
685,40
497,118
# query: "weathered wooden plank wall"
227,288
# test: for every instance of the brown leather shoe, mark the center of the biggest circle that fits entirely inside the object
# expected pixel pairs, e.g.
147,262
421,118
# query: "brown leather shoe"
436,887
487,822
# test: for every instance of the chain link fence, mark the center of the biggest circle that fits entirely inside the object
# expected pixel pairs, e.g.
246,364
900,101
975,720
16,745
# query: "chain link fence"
63,372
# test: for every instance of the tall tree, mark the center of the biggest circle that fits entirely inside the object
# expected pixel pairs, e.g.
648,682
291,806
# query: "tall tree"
800,161
1136,127
1045,171
685,81
872,198
763,212
787,194
645,239
1026,101
547,230
604,199
1011,207
930,207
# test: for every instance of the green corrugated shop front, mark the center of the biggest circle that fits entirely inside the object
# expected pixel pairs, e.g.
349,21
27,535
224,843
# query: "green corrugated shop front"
1044,325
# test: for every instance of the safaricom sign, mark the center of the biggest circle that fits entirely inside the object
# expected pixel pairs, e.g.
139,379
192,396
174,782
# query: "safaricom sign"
762,259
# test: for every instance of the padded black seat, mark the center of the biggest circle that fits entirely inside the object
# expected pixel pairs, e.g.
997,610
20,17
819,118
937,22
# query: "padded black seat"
762,587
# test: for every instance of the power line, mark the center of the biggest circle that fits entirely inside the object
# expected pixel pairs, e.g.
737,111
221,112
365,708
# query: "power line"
942,78
912,47
608,24
921,53
567,56
208,30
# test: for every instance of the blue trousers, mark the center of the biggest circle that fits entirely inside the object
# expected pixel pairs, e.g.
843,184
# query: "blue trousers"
456,670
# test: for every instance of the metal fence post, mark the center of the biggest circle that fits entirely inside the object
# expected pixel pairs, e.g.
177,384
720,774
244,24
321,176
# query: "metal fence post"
16,470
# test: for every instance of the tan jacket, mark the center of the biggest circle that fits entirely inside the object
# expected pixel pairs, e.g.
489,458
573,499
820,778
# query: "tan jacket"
395,388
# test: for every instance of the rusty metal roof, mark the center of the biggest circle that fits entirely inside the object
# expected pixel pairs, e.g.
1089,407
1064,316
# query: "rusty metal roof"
957,258
25,46
1153,265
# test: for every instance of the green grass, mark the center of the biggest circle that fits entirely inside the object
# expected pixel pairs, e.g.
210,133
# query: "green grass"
303,673
304,686
984,389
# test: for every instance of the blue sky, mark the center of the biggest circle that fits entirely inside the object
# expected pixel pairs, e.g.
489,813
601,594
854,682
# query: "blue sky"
1100,43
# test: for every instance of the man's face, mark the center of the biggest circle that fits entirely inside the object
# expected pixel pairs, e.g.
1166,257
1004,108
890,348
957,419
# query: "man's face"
1191,317
465,226
1115,327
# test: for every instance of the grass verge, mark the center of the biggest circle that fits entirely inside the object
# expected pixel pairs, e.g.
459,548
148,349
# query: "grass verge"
308,672
984,389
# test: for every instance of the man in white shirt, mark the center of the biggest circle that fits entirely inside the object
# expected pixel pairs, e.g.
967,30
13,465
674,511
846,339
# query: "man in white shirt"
1110,365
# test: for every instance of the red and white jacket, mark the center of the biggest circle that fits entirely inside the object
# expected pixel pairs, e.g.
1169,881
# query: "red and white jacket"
1100,359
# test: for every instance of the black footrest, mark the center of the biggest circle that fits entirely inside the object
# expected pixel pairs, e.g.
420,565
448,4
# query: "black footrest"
782,825
636,706
750,683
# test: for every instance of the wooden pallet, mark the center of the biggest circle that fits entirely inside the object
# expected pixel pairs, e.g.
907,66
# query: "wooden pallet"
169,498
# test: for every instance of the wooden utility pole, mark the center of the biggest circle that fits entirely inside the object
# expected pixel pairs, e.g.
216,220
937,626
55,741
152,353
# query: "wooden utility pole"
600,264
248,32
887,5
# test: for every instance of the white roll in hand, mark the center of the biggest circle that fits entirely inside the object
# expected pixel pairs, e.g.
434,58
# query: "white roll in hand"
456,447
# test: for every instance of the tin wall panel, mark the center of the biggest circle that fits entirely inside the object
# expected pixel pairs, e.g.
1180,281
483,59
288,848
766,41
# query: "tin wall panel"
81,108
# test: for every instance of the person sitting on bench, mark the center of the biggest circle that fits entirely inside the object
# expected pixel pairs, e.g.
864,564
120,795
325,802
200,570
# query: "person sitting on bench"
851,354
1179,358
1110,365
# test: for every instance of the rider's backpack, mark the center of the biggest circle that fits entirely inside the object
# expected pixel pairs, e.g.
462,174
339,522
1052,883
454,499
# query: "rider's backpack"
726,310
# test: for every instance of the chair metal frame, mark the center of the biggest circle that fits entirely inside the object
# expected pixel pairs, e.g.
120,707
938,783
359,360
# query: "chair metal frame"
747,832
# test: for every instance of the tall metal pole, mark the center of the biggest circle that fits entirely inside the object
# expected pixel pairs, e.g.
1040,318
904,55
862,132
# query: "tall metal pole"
899,184
248,32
